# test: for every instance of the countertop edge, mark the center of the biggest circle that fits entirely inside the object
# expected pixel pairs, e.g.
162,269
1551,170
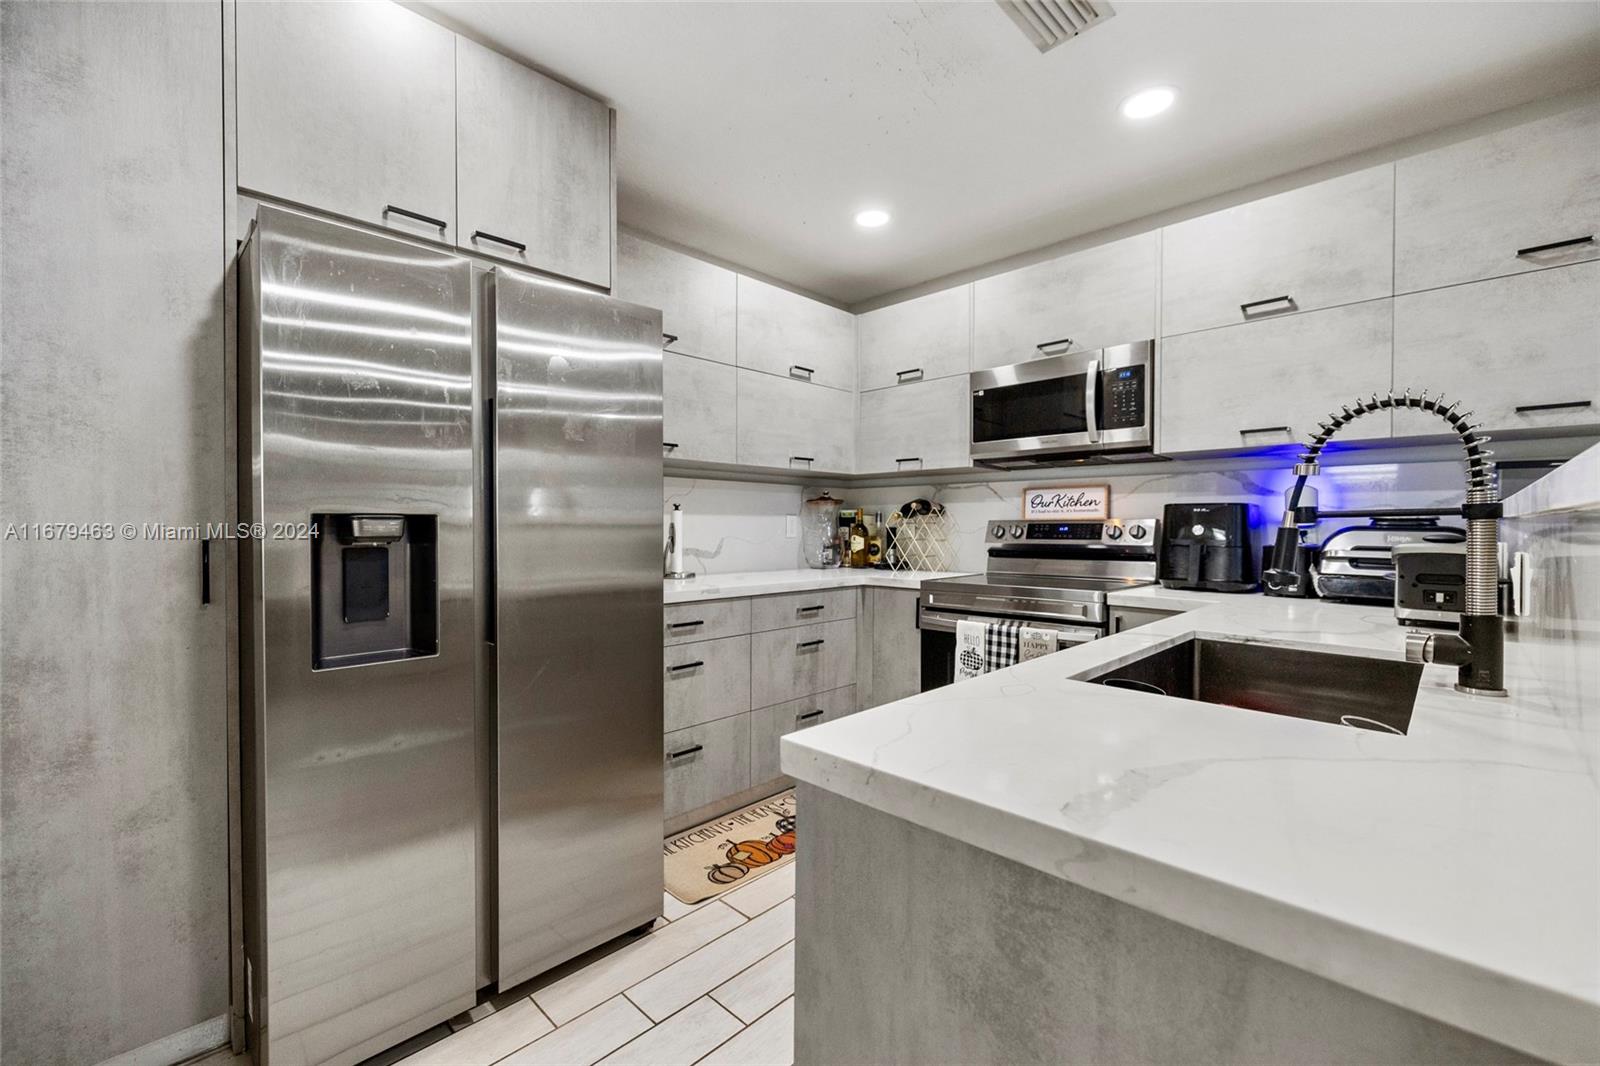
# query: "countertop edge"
742,585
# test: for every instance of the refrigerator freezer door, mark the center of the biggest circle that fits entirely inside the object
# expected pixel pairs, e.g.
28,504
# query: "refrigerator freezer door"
355,404
577,559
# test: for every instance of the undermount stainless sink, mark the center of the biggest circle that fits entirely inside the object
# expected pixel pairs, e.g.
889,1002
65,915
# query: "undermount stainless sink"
1349,690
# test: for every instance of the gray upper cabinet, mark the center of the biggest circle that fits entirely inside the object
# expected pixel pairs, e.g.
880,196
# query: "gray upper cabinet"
1483,208
698,418
1319,246
791,425
1089,299
349,108
918,340
1272,382
915,427
1520,352
697,299
534,167
784,333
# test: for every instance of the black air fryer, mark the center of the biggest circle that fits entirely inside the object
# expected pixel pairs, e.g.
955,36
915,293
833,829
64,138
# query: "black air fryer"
1207,546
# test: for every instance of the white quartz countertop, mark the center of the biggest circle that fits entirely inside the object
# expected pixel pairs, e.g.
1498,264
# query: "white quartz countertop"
1452,871
768,582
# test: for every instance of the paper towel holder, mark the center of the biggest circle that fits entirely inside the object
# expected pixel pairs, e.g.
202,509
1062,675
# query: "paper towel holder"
672,543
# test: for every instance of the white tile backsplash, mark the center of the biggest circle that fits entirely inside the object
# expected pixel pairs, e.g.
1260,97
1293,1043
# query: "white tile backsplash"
734,526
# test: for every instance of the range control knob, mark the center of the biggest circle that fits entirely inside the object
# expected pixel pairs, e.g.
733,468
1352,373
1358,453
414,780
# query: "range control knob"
1017,531
1137,532
1113,532
998,532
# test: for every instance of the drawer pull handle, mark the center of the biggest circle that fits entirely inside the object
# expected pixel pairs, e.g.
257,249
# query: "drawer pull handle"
908,459
810,643
1555,245
807,716
915,373
668,339
803,372
1264,307
807,459
813,607
507,241
686,666
670,445
438,223
685,751
686,625
1527,407
1046,346
1266,429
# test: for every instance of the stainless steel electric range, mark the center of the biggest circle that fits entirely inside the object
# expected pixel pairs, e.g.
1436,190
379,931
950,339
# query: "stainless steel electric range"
1054,575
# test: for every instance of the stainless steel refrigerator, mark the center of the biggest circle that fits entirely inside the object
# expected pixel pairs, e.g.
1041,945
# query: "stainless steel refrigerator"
449,614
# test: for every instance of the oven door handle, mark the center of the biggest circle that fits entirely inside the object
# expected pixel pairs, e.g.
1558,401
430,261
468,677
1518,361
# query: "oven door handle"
940,622
1046,609
1091,401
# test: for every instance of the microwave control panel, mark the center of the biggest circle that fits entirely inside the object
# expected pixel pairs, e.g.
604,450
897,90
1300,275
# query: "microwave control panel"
1124,398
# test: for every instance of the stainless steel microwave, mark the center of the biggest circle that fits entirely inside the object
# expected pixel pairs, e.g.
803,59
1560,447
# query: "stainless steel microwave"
1077,405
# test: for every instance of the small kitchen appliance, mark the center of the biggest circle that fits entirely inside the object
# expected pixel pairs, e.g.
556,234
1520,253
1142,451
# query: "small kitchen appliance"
1207,546
1068,405
1356,564
1049,575
1429,583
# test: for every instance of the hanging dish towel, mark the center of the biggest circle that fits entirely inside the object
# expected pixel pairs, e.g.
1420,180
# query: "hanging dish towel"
1035,642
970,659
1000,645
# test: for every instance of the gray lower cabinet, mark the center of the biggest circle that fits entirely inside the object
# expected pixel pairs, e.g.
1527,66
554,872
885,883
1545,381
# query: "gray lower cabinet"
112,395
791,425
697,300
533,167
1479,209
806,659
801,608
768,725
685,622
1090,299
698,409
1273,382
1126,618
793,336
896,646
922,426
1520,352
706,680
918,340
1323,245
349,108
705,763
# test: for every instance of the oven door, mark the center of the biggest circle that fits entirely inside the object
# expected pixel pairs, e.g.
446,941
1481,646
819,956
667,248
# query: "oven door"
1076,403
938,630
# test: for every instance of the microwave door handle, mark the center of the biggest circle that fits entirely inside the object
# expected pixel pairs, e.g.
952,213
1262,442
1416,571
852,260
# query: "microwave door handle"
1091,401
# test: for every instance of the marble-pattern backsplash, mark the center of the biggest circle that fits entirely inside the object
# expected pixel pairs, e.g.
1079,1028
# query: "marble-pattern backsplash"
734,526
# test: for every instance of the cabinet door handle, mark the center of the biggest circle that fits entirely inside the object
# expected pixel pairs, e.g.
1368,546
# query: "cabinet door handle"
670,445
1555,245
437,223
915,374
685,666
205,571
803,372
1266,429
810,644
908,459
1064,343
807,716
668,339
685,751
808,610
807,459
1263,307
507,241
1527,407
686,625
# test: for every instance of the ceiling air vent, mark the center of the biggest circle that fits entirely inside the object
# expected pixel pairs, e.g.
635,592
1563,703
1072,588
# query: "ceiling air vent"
1048,23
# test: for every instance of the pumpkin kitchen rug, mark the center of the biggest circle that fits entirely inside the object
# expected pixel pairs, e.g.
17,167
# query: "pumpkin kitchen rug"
732,850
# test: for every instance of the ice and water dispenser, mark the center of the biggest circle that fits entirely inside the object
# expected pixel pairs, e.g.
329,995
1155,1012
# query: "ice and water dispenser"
374,587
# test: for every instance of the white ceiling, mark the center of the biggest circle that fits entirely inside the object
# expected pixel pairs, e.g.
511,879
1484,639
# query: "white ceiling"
754,131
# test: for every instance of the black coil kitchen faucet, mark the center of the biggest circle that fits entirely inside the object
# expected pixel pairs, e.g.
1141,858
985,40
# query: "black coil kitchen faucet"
1478,649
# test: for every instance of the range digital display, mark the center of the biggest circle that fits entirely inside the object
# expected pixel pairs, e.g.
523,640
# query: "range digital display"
1064,530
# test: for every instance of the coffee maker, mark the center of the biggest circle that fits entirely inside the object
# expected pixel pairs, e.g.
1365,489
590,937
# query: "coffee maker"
1207,546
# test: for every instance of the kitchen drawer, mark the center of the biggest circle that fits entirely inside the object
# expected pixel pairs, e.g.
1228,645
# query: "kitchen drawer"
684,622
706,762
704,681
790,663
769,724
801,608
1319,246
918,340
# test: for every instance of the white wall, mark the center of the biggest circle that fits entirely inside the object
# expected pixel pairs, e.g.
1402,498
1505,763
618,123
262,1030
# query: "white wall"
734,526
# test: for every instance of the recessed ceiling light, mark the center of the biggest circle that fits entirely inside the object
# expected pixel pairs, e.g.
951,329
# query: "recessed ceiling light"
872,218
1148,103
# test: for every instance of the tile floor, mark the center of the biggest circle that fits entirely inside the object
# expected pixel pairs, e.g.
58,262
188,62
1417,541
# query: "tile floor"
712,983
